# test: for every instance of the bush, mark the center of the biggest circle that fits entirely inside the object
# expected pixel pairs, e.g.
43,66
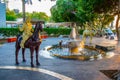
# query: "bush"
9,31
60,31
56,31
11,18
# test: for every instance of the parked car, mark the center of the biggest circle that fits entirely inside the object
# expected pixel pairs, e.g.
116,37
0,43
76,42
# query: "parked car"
109,34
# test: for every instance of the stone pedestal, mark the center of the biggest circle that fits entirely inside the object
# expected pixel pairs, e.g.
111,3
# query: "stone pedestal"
74,50
74,46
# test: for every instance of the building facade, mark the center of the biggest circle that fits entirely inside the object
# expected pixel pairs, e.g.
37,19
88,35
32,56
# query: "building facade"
2,15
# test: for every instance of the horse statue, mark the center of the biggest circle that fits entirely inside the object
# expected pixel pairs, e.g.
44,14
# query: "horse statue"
88,33
33,43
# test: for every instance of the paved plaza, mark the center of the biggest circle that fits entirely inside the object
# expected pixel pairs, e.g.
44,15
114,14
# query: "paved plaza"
52,68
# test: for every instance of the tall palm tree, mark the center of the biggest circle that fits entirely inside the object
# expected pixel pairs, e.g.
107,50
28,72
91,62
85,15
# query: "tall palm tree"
23,7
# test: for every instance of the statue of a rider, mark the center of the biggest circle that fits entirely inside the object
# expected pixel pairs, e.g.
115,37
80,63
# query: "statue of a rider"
27,31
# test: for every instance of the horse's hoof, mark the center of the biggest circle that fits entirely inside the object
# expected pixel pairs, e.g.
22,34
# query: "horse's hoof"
24,60
17,63
38,64
32,65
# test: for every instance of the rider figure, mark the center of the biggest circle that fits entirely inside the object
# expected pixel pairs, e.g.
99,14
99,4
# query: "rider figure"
27,31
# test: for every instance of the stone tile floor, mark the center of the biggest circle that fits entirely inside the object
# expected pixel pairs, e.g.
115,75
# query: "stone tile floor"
55,68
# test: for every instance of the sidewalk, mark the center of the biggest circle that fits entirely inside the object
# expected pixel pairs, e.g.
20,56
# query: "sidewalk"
55,68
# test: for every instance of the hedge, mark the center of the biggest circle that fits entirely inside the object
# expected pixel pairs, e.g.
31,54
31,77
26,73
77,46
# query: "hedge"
9,31
49,31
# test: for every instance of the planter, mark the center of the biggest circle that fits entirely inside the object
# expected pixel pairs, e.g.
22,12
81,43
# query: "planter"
13,39
43,36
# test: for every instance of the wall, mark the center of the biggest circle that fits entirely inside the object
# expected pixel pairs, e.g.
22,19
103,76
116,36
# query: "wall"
2,15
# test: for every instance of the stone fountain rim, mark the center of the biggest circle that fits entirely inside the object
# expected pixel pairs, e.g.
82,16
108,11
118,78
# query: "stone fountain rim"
76,57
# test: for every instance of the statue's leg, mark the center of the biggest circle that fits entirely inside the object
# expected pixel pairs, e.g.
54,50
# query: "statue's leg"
31,54
25,37
84,38
22,43
23,54
37,51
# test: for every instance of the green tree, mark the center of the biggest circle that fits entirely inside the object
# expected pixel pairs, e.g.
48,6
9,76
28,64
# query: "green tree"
63,11
19,15
39,16
55,16
111,7
84,11
10,15
35,16
80,11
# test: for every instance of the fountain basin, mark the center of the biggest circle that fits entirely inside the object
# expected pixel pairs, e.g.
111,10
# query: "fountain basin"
87,53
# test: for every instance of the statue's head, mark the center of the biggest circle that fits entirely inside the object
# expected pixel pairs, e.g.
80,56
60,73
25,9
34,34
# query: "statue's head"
38,26
28,19
73,24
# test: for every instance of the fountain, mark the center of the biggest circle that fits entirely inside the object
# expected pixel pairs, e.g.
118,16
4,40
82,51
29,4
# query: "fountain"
75,48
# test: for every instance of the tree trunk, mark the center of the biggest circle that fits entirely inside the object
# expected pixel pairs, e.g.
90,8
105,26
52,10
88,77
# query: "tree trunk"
117,28
117,23
23,9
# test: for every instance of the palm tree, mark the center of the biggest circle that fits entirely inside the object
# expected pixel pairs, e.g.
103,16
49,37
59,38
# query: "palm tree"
23,6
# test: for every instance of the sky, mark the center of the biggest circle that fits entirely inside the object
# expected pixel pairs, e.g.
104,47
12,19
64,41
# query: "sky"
43,6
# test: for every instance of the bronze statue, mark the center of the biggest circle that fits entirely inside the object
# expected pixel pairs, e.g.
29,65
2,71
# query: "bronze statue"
88,32
27,31
33,43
